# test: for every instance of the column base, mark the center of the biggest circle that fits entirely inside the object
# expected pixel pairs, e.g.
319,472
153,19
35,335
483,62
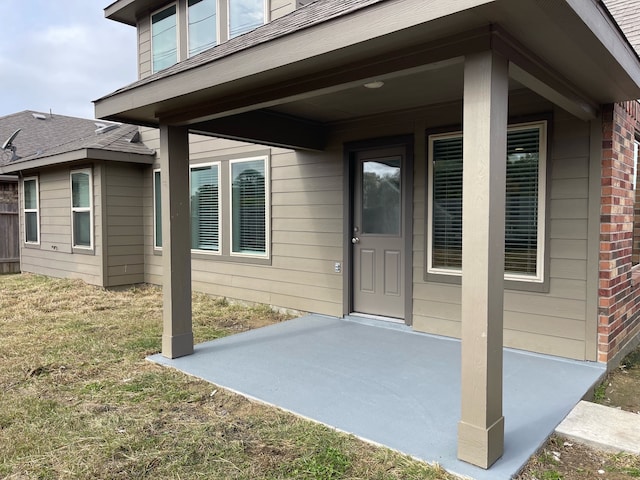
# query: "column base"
481,446
177,345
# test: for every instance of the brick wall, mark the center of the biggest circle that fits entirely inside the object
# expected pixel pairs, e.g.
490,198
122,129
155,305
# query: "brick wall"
619,291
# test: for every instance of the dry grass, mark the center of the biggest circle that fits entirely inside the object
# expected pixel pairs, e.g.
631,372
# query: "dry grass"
78,400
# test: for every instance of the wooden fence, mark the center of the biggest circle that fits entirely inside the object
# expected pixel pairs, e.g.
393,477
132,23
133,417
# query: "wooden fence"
9,228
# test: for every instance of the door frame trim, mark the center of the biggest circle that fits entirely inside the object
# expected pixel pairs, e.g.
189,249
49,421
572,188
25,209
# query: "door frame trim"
349,153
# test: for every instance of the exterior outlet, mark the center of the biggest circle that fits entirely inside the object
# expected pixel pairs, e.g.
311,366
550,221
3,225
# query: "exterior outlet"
337,267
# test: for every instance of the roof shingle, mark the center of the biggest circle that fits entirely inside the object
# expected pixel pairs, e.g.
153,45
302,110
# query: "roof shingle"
44,135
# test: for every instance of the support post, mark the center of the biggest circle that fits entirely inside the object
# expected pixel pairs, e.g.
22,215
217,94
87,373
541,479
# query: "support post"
177,334
481,428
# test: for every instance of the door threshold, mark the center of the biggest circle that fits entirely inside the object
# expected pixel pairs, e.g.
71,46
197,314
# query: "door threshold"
380,318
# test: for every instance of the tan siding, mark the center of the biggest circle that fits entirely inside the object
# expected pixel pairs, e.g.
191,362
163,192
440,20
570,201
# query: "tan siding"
552,322
54,256
307,235
306,238
144,47
124,207
280,8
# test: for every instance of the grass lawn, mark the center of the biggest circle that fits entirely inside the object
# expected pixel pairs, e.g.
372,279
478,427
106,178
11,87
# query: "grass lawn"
78,399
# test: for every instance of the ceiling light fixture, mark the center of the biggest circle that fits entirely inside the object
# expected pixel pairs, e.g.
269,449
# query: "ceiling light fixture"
374,85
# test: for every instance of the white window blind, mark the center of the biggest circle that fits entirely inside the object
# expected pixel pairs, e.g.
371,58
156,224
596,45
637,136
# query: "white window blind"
522,208
205,208
248,206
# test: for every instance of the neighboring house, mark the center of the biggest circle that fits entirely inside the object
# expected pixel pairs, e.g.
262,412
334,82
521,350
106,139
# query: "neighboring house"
80,199
9,226
311,157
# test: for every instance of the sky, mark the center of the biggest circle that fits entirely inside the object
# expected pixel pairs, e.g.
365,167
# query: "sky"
60,55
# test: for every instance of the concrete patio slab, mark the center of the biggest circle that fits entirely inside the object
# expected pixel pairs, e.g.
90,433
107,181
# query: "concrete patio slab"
387,384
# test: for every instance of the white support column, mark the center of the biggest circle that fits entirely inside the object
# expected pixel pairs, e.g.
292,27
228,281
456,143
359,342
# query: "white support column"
177,335
486,89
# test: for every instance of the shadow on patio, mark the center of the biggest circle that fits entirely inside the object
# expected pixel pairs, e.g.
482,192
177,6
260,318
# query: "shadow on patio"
389,385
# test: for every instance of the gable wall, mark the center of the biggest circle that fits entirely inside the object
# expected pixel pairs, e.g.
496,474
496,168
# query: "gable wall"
54,256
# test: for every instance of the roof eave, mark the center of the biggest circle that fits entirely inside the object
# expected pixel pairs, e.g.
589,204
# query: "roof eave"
342,39
77,156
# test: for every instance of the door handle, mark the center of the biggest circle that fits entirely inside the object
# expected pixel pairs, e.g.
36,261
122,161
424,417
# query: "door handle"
355,240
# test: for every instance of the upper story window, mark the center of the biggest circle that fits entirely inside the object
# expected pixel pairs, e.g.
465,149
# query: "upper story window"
188,27
245,15
164,38
203,25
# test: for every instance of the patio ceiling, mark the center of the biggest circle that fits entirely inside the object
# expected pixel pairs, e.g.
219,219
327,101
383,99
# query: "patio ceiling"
288,90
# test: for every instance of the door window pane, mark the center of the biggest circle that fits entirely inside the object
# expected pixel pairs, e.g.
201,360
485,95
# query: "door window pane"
248,207
164,39
202,25
245,15
381,197
205,208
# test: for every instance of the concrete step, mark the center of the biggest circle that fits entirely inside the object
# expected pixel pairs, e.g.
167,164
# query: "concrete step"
601,427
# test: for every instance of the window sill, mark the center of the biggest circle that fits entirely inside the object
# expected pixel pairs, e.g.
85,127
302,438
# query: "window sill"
515,285
83,251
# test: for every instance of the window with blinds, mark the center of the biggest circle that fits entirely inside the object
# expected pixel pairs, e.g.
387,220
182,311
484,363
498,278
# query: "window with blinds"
205,207
524,205
249,206
81,209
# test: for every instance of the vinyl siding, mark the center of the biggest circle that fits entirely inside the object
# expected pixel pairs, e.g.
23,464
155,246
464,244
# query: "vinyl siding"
54,256
306,239
124,254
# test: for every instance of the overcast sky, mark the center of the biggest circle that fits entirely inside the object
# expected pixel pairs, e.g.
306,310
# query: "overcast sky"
60,55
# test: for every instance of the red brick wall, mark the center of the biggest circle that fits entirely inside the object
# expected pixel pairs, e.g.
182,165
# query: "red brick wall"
618,295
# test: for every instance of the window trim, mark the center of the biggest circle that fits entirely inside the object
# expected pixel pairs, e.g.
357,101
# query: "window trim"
178,26
89,172
267,207
449,274
218,165
31,210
